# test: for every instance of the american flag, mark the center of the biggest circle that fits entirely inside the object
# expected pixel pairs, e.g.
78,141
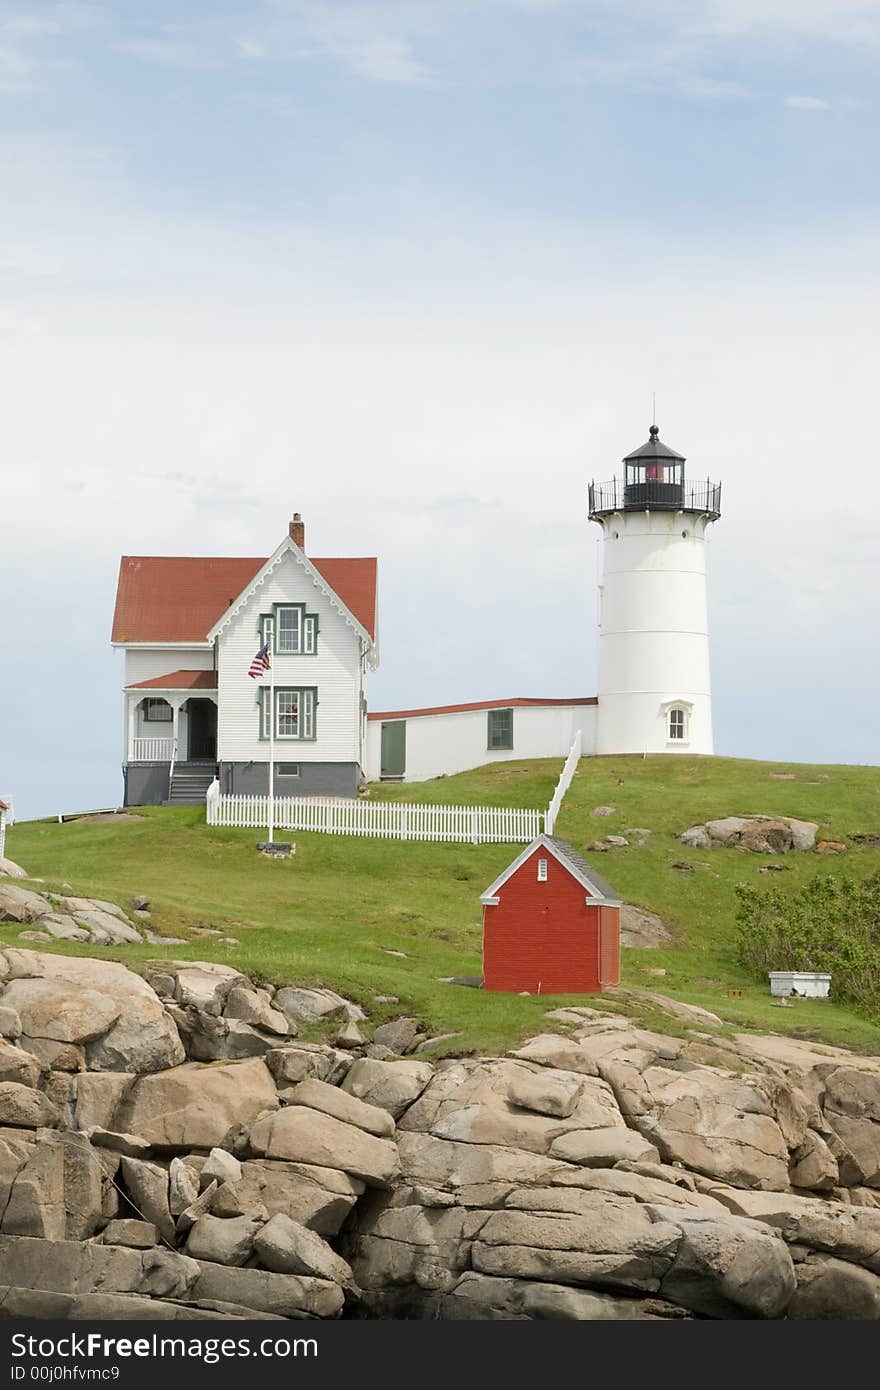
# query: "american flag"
260,663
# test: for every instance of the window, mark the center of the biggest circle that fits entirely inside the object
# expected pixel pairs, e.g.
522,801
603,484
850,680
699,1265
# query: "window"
296,631
158,712
542,870
295,712
288,629
500,734
287,769
677,724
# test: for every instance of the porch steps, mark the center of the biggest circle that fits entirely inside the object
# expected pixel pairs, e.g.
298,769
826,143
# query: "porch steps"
190,783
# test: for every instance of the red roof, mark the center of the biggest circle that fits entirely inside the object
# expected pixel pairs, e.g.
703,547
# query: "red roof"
481,704
179,598
179,680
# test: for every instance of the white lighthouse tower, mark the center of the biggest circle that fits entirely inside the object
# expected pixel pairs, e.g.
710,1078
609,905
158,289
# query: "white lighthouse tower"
654,689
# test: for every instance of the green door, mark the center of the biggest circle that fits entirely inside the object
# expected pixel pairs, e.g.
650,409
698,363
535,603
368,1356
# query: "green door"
393,760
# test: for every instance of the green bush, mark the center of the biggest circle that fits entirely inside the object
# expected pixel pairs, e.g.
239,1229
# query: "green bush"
831,924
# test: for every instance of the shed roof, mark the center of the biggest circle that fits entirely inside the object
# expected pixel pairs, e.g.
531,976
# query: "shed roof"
179,598
597,886
178,680
519,702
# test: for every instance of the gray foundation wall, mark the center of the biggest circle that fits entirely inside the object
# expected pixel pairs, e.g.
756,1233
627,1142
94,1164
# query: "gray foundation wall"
146,784
315,779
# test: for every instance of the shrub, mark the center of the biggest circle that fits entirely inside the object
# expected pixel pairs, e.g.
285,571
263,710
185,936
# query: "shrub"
831,924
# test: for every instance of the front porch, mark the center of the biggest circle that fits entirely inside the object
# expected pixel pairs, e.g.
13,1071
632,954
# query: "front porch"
171,738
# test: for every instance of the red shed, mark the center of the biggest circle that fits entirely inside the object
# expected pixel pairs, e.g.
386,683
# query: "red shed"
551,924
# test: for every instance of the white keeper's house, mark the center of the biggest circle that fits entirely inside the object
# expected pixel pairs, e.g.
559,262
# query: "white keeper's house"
191,626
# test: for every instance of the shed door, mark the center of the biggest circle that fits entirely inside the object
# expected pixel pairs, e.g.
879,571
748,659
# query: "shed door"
393,755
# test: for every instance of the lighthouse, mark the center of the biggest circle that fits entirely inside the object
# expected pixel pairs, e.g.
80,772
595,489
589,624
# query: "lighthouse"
654,686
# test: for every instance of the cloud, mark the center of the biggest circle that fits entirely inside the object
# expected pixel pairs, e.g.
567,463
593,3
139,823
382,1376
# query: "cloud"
254,49
807,103
168,52
387,60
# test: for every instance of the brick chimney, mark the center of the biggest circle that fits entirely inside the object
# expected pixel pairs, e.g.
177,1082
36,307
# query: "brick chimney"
298,531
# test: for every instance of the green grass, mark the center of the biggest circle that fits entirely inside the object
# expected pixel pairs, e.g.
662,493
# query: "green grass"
331,913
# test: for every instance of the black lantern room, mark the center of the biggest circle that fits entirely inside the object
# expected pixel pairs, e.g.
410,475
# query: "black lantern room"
654,480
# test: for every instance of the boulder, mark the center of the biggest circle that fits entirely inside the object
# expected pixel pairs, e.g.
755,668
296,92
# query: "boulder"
343,1106
315,1005
829,1288
390,1086
697,837
183,1186
63,928
803,832
847,1232
21,904
56,1193
249,1006
317,1197
520,1298
615,1244
226,1242
813,1165
309,1136
552,1050
259,1290
213,1039
852,1108
602,1148
399,1034
18,1065
138,1034
204,985
97,1096
147,1188
726,1267
195,1107
10,869
62,1011
287,1247
10,1023
716,1125
222,1166
137,1235
23,1106
641,929
553,1093
308,1059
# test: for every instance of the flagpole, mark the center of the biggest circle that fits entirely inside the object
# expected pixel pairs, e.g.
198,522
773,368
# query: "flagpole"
271,639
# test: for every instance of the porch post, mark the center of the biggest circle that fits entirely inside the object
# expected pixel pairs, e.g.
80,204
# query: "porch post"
175,725
133,702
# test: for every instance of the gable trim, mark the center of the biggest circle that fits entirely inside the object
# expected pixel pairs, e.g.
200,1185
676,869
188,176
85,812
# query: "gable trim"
289,547
490,897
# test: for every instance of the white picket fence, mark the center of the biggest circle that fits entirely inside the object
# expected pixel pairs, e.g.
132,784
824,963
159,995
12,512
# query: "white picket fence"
562,786
386,820
393,820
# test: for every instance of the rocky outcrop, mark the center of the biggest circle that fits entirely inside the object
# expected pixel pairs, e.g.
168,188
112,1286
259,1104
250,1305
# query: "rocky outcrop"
605,1172
755,834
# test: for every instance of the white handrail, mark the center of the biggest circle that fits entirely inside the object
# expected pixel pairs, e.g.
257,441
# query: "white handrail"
562,786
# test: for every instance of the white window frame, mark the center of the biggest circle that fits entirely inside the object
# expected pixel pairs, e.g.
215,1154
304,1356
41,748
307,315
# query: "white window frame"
682,708
543,867
298,629
303,702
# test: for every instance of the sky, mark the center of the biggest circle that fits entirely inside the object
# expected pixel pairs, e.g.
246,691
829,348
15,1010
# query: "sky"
416,268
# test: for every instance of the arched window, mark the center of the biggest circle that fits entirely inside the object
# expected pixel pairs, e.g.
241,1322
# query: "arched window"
677,714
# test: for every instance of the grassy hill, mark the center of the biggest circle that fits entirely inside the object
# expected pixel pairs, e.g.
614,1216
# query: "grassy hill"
332,913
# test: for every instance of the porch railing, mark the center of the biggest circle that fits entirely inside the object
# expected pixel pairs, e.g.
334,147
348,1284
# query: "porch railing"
151,750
